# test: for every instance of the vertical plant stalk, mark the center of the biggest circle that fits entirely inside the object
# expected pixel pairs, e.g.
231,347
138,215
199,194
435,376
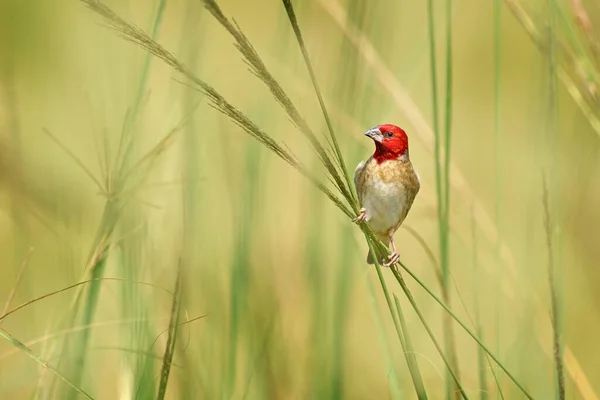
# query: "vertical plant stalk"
497,147
95,268
462,324
138,104
548,222
442,174
172,337
395,389
240,278
434,99
481,356
447,134
143,82
450,340
190,162
556,330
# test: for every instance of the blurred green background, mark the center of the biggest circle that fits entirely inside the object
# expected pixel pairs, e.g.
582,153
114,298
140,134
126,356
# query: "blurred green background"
291,310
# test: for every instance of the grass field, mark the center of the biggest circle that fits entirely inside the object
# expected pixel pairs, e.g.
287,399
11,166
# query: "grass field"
175,199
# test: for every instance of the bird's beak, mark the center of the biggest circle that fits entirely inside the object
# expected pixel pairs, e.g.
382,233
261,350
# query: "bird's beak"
375,134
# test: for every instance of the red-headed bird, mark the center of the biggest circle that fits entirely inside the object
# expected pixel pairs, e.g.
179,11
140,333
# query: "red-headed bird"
386,185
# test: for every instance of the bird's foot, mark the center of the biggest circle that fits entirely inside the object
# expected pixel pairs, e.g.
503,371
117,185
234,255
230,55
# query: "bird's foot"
361,217
393,259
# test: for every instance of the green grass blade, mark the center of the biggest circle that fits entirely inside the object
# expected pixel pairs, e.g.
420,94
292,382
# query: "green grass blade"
171,339
396,391
143,81
80,344
388,299
409,353
447,130
552,198
481,356
462,324
442,172
430,333
434,100
341,312
130,130
21,346
386,292
498,153
554,298
450,345
240,279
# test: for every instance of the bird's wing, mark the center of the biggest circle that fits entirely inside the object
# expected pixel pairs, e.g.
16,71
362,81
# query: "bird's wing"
411,188
359,177
358,168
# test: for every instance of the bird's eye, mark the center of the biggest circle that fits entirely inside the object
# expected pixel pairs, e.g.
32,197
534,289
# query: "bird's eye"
389,134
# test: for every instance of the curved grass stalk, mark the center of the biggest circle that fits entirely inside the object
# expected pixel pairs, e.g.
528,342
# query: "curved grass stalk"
409,353
259,69
21,346
437,345
462,324
294,22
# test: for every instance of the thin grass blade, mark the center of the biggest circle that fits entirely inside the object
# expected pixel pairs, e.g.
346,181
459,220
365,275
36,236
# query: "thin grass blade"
409,353
430,333
171,338
462,324
289,8
21,346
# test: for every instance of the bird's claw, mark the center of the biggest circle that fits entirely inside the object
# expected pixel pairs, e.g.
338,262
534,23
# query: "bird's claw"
361,217
393,259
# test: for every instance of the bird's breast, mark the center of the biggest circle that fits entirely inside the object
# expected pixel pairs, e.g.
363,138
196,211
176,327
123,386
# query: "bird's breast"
384,202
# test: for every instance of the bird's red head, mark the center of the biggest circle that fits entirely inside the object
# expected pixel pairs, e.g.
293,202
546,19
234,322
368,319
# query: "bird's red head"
391,142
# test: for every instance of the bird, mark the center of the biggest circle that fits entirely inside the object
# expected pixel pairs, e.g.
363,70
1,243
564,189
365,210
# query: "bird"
386,185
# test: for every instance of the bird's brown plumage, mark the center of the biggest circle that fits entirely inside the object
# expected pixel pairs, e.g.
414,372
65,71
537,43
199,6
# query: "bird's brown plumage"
386,190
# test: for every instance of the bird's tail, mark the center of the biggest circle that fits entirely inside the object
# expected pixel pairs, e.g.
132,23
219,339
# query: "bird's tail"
380,255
